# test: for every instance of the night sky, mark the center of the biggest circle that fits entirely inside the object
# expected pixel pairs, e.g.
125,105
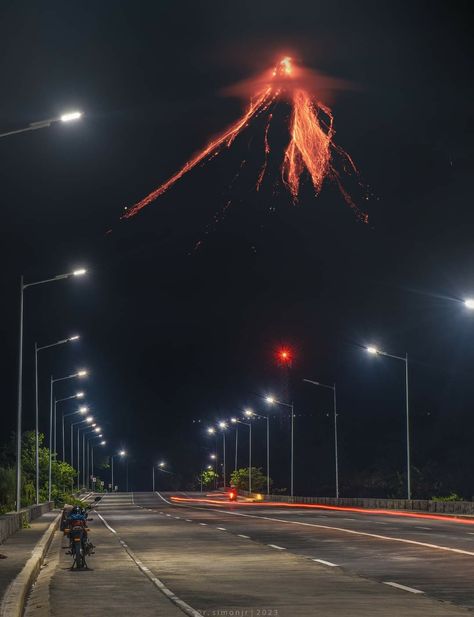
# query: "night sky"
176,338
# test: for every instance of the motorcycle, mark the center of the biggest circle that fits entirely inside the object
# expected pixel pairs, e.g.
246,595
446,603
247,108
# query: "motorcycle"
79,544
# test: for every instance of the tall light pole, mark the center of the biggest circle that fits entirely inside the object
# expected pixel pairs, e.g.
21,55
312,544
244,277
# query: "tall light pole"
101,443
121,453
82,409
236,422
73,424
212,431
336,459
374,351
61,400
24,286
251,414
90,421
37,350
88,430
272,401
89,436
52,430
161,467
33,126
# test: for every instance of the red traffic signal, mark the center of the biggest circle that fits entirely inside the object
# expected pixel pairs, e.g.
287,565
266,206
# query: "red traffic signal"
285,356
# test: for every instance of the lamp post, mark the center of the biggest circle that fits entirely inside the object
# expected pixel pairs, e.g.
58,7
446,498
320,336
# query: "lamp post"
88,437
89,420
374,351
52,430
202,473
33,126
84,462
251,414
73,424
37,350
161,467
272,401
121,453
212,431
24,286
101,443
336,460
236,422
82,409
61,400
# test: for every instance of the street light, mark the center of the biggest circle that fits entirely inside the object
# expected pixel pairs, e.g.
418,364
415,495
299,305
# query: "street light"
101,443
42,124
61,400
469,303
161,465
24,286
39,348
333,388
273,401
121,454
237,422
81,373
251,414
375,351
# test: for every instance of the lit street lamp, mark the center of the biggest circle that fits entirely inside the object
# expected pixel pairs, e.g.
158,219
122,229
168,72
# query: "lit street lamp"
236,422
52,428
336,460
251,414
33,126
89,420
24,286
469,303
376,352
121,453
61,400
272,401
82,409
37,350
93,445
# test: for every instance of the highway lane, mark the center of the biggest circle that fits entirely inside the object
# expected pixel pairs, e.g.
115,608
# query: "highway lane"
216,563
391,548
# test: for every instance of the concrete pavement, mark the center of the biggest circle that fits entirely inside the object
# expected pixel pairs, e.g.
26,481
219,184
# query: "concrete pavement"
220,563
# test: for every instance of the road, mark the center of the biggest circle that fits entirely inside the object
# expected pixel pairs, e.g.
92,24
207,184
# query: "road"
162,554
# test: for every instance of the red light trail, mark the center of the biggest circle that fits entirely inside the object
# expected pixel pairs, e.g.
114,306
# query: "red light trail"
312,506
311,147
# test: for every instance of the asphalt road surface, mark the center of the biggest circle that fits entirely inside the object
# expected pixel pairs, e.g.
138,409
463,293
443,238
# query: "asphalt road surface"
163,554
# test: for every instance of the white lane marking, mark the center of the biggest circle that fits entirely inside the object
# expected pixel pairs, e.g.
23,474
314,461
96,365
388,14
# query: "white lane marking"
280,548
471,533
353,532
241,535
380,523
168,515
403,587
176,517
437,547
425,528
326,563
221,528
184,606
349,519
203,524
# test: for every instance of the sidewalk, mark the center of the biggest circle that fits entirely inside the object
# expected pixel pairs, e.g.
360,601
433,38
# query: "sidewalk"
18,548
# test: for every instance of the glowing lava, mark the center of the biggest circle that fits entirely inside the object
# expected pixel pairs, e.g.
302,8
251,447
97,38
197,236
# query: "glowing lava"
311,146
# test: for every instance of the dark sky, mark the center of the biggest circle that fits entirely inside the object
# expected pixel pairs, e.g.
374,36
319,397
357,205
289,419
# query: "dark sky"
173,335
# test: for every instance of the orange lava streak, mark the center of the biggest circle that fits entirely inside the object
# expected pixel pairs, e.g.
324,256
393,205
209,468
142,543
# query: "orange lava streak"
260,103
310,145
267,152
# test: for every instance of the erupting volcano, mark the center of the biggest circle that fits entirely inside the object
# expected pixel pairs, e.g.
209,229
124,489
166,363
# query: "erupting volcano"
311,147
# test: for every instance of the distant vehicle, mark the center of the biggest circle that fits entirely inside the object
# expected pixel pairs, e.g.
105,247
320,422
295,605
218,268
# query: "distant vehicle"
233,494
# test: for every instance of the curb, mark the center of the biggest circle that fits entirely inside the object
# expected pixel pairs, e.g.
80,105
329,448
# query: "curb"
13,602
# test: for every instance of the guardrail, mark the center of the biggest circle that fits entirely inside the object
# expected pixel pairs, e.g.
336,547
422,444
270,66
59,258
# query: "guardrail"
420,505
12,521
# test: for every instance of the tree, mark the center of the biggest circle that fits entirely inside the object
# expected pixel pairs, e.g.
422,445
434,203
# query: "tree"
208,477
240,479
